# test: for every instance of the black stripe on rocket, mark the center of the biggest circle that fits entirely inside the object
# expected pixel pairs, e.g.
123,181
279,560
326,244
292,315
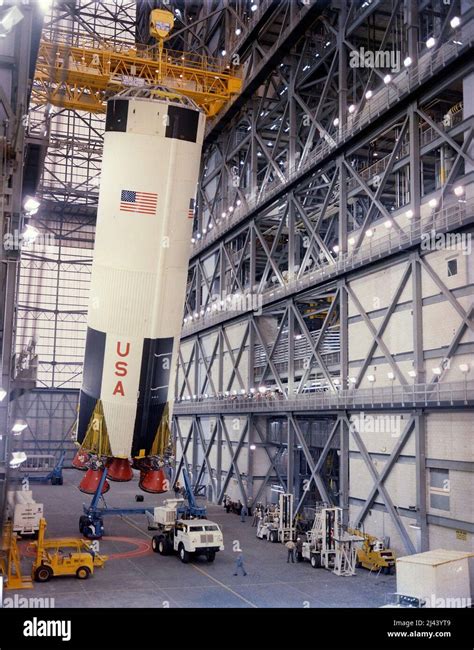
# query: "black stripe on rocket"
91,379
153,392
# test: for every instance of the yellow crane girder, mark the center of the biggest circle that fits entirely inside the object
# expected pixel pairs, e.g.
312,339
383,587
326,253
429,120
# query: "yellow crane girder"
84,77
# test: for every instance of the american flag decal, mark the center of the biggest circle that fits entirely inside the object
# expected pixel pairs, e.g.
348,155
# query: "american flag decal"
191,209
141,202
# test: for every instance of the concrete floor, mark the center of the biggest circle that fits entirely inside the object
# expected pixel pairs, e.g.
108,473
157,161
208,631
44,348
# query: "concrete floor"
150,580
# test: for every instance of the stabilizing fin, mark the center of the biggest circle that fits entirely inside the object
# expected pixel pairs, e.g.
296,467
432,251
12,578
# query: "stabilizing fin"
163,435
96,440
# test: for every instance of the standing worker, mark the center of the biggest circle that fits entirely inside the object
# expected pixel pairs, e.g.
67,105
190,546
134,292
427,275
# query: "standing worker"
299,549
243,513
290,545
239,564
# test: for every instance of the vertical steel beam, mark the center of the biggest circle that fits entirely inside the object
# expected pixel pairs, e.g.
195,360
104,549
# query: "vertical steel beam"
290,461
421,491
344,334
417,308
291,353
344,470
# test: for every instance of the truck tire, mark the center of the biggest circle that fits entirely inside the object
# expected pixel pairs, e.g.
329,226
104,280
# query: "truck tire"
155,542
211,556
315,561
83,521
83,573
273,536
164,546
183,554
43,573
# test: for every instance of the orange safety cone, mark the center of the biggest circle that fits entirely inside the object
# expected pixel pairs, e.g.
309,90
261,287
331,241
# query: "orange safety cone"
80,459
153,481
119,470
91,480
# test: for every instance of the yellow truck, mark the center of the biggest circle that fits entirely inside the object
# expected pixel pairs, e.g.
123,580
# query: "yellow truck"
67,556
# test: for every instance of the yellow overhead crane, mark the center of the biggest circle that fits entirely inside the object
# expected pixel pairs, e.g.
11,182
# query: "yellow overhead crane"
82,77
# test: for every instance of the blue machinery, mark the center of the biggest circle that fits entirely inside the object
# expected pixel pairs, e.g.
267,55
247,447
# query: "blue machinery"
55,475
91,523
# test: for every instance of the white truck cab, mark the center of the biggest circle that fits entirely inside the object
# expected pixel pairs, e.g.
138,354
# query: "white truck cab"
186,537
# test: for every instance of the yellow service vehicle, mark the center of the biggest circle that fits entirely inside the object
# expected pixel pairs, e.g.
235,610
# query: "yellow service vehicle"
67,556
373,554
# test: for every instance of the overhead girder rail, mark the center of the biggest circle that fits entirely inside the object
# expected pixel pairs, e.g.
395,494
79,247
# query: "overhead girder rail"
84,77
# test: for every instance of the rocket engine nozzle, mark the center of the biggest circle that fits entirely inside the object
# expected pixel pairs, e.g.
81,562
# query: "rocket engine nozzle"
119,469
80,460
91,480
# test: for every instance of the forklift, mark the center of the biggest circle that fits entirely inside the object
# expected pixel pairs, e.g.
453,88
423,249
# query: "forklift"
373,554
67,556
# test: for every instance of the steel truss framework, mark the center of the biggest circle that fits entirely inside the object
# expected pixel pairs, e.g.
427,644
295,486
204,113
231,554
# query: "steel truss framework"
312,156
15,74
319,175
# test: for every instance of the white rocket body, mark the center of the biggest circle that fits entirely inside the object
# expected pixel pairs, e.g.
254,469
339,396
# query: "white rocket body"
152,150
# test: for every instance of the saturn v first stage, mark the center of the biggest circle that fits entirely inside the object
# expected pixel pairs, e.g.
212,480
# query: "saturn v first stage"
152,150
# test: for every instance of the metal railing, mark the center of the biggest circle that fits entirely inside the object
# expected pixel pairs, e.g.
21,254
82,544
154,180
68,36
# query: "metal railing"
383,99
415,395
443,220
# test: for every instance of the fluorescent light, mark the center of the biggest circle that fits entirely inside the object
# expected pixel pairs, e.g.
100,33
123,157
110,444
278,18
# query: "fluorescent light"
455,22
30,234
407,62
369,232
337,382
387,79
351,241
3,394
238,31
430,43
9,19
459,190
31,205
19,426
18,457
352,380
351,108
409,214
336,121
254,7
412,373
388,224
368,94
238,202
433,203
371,378
253,447
231,209
335,249
224,52
391,376
262,389
45,5
437,370
464,367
